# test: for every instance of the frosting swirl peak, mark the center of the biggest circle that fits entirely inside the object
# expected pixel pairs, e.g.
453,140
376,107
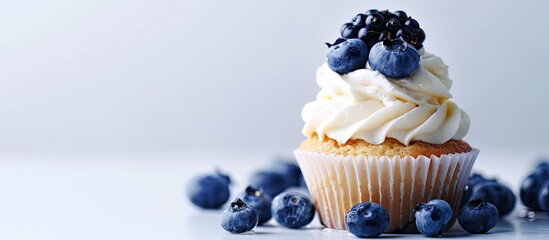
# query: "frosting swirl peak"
366,105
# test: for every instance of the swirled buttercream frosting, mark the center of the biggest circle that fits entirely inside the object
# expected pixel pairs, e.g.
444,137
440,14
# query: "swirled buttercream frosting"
366,105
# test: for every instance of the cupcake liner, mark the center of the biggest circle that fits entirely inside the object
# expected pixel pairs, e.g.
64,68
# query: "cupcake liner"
338,182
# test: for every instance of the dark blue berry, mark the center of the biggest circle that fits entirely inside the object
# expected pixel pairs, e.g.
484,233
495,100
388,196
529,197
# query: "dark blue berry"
270,182
261,202
542,168
368,36
392,25
367,220
371,11
293,209
412,24
432,217
394,58
530,188
359,20
344,27
347,56
289,170
401,15
474,179
543,196
387,14
238,217
478,216
375,21
418,39
209,191
495,193
405,34
350,32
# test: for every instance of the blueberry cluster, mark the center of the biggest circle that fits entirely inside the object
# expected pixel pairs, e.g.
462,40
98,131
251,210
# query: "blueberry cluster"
389,42
534,191
255,205
490,190
374,26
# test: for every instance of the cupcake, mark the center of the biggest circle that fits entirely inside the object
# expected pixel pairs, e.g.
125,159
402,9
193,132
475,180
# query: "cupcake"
383,128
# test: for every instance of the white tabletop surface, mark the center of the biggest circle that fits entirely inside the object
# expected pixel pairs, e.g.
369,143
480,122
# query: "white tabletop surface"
141,197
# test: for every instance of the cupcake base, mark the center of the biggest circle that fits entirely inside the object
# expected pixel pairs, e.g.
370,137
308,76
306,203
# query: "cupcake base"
338,182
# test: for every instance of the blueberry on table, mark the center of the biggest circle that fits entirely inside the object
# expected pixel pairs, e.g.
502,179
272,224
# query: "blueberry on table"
394,58
293,209
474,180
432,217
367,220
261,202
496,193
478,216
347,55
289,170
543,196
542,168
238,217
270,182
209,191
530,188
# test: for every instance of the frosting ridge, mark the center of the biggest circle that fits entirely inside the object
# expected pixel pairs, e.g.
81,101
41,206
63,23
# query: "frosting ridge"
366,105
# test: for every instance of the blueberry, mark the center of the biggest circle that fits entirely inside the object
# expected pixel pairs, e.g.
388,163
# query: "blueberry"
474,179
542,168
530,188
261,202
543,196
359,20
371,11
238,217
392,25
478,216
344,27
375,21
412,24
401,15
289,170
394,58
349,31
367,220
418,39
495,193
432,217
387,14
270,182
209,191
369,37
347,56
405,34
292,209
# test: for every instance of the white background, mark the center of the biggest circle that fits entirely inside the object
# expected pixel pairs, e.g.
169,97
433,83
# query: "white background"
127,76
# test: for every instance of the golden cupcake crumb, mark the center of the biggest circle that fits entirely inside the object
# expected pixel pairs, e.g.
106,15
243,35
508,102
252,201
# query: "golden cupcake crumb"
390,147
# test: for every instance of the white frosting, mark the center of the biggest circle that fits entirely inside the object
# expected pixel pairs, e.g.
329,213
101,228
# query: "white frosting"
365,105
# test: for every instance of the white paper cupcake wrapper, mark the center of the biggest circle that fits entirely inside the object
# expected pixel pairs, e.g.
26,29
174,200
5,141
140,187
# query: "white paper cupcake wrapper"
338,182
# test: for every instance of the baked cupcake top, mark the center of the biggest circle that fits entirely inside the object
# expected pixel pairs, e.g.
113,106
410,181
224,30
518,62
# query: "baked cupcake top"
372,91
